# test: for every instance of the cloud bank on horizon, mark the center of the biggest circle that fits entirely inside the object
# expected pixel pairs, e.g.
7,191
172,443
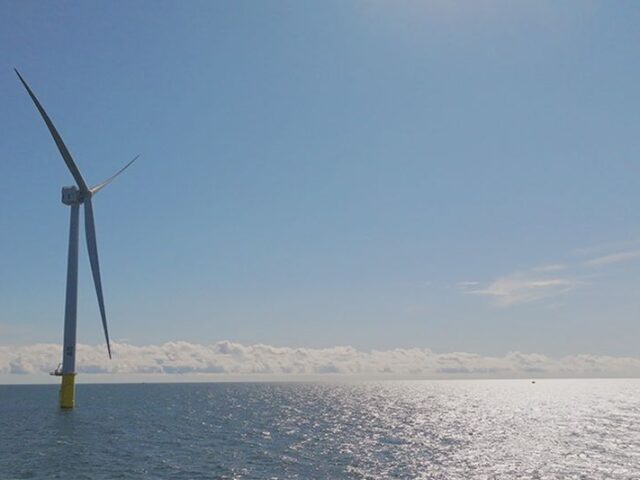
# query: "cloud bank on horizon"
228,358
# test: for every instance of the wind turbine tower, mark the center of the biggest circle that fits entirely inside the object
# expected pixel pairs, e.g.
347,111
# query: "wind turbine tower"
74,196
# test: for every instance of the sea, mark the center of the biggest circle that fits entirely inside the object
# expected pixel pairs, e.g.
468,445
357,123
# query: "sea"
449,429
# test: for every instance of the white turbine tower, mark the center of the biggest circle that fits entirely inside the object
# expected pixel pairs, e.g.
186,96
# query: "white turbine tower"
75,196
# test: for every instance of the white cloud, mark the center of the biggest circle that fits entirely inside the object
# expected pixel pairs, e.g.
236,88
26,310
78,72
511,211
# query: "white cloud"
619,257
551,280
225,359
550,268
525,287
606,247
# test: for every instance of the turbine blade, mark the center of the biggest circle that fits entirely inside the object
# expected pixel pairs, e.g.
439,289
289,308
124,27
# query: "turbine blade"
100,186
73,168
92,248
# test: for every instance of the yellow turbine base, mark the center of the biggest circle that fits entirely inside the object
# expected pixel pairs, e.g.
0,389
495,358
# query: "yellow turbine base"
68,390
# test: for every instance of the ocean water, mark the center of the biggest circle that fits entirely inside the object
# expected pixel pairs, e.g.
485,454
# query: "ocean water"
485,429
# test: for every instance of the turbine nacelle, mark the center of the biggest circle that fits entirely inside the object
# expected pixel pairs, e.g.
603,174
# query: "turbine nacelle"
72,196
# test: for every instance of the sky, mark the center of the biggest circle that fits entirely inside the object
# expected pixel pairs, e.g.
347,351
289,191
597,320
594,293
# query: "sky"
449,176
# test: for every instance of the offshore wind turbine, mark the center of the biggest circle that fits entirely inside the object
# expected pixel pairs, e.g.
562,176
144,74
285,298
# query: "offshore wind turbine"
74,196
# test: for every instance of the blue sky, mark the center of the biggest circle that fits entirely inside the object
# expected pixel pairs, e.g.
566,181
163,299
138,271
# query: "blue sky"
461,176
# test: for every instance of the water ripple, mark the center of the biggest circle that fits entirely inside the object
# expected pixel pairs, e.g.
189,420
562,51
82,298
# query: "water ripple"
569,429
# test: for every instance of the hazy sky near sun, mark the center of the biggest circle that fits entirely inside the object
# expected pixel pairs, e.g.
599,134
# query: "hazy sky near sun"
461,176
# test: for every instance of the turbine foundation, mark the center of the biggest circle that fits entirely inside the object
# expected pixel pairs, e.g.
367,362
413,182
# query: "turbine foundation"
68,390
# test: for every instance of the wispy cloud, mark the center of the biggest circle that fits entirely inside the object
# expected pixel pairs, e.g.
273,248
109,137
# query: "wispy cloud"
226,358
550,268
606,248
618,257
553,279
525,287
